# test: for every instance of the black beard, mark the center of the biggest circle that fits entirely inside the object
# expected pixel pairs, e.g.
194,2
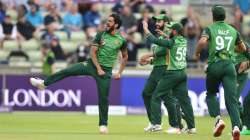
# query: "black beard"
171,35
160,28
110,29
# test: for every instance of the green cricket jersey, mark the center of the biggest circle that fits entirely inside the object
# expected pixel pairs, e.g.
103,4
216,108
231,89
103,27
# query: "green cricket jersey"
47,63
108,47
222,41
159,54
240,57
177,50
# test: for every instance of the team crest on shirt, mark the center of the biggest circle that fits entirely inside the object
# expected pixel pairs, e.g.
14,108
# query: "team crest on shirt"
117,42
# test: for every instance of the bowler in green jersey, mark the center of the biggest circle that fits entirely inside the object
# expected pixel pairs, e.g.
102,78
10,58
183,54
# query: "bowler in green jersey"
222,40
174,80
104,52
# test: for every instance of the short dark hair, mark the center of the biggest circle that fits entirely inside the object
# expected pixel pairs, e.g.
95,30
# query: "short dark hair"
117,20
219,13
218,17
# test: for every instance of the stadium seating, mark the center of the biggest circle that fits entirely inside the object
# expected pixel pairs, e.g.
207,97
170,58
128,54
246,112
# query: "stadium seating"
10,45
30,45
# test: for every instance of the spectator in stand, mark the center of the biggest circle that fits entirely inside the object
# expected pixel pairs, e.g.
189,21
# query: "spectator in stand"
2,11
8,30
50,38
238,19
145,15
34,16
243,5
25,29
48,58
82,53
129,21
54,13
92,20
129,27
119,6
72,20
137,5
191,31
21,10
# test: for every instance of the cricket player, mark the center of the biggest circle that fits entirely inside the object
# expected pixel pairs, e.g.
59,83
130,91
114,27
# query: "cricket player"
242,65
158,59
174,80
221,39
104,52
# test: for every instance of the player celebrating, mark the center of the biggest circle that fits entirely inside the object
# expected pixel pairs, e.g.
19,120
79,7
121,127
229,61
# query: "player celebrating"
242,65
221,39
158,59
174,79
104,52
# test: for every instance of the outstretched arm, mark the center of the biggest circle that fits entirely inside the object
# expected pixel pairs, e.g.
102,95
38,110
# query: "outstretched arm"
152,39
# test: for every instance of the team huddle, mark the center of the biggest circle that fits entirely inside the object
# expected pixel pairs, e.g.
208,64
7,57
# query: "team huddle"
228,63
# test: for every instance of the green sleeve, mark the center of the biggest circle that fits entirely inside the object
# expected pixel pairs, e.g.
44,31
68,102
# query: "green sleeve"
206,33
161,42
97,39
162,51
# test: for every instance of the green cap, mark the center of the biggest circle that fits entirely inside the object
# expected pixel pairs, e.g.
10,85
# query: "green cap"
218,10
176,26
161,17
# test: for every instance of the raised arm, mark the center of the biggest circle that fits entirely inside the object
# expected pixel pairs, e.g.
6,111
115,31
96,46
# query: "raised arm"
152,39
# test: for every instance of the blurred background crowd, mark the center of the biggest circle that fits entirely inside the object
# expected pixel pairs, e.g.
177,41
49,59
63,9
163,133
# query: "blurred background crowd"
30,29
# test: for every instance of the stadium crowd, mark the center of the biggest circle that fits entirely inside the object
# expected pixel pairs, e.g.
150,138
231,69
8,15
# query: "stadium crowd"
59,22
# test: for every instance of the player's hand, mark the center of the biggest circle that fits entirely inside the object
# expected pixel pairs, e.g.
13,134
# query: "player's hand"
117,76
243,66
101,72
145,27
144,62
144,57
160,32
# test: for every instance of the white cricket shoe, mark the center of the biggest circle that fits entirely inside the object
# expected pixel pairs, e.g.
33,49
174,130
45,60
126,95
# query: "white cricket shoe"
173,130
191,131
236,133
103,129
244,128
153,128
147,129
38,83
219,127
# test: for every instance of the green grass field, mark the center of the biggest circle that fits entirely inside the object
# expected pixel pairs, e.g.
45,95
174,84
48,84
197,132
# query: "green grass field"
78,126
